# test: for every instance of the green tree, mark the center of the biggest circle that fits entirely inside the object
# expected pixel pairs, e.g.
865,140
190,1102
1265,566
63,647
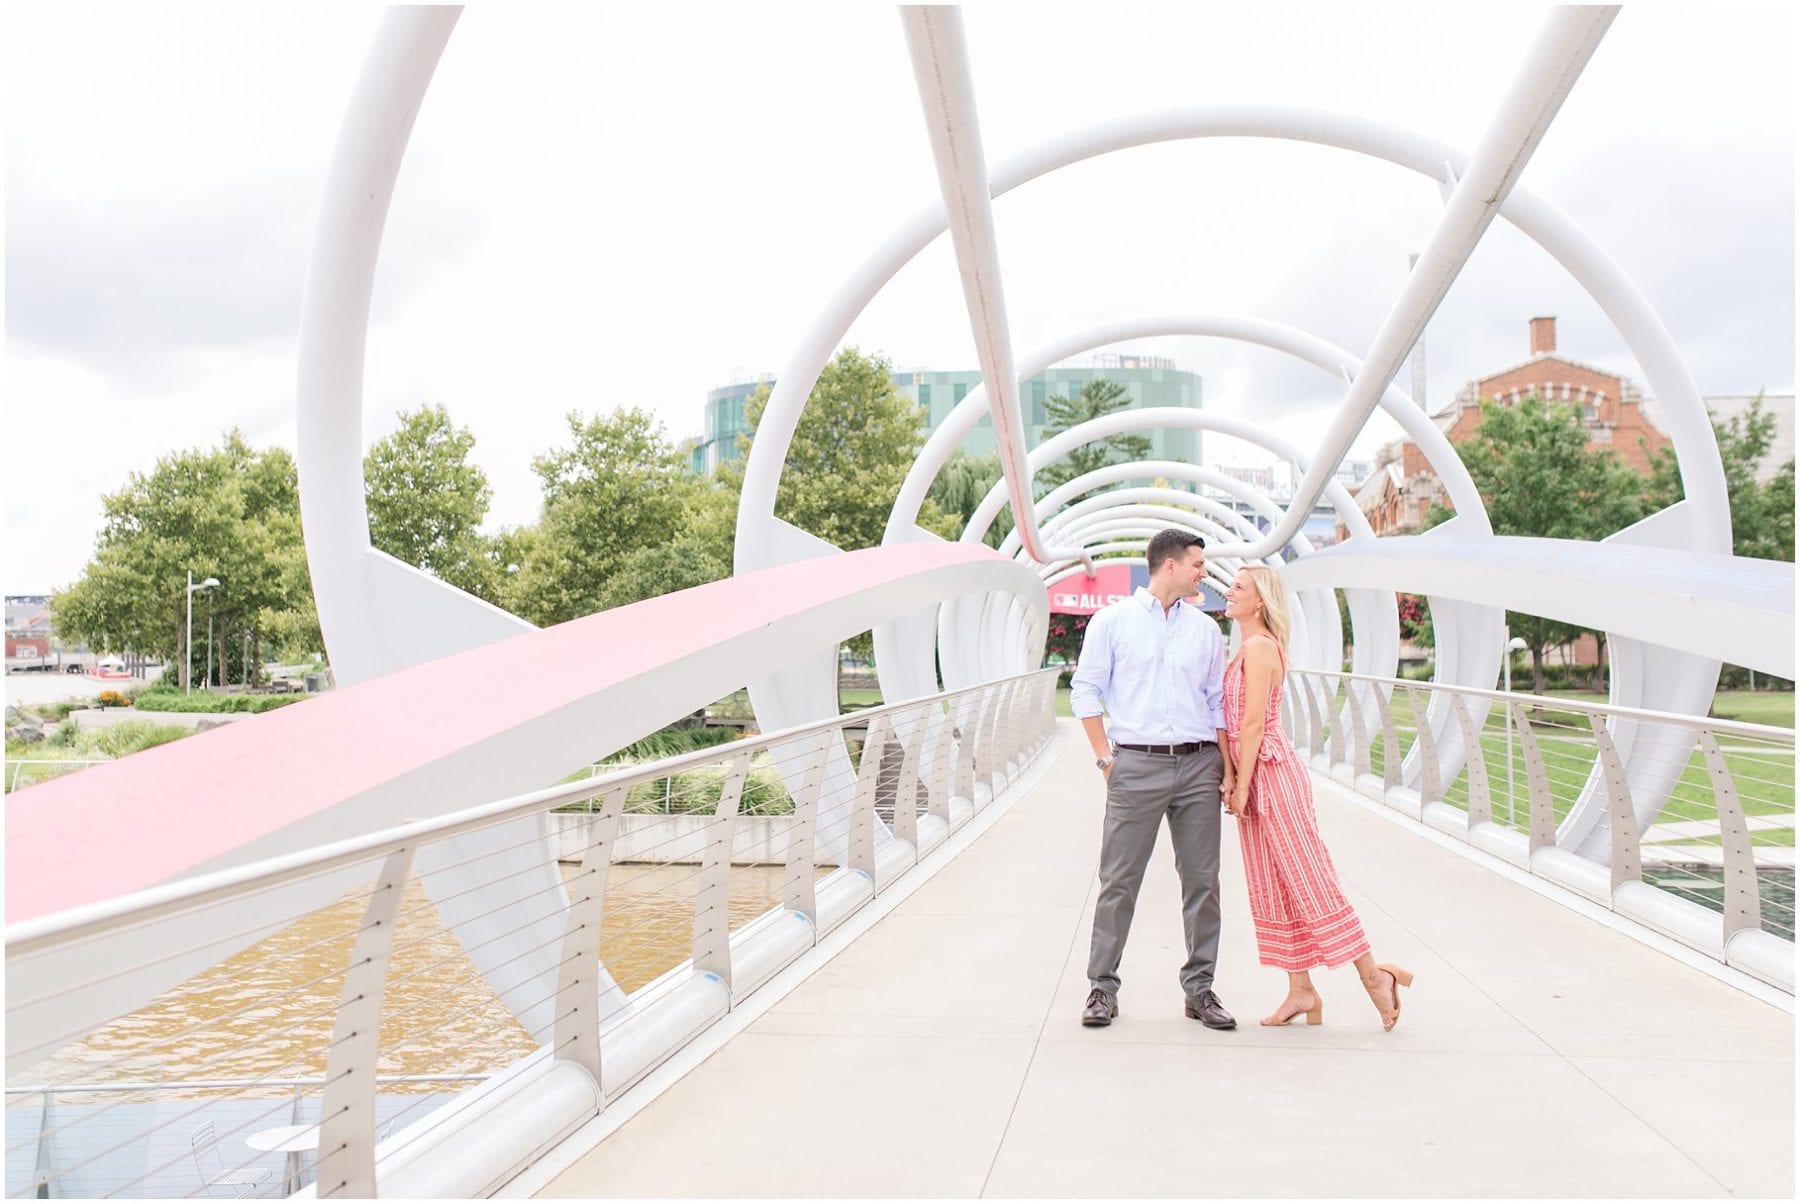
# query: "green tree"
1762,512
426,501
1098,398
229,512
1535,473
697,554
849,455
961,484
620,485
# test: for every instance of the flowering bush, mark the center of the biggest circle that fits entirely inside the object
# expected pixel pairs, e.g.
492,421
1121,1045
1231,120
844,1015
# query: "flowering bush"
112,698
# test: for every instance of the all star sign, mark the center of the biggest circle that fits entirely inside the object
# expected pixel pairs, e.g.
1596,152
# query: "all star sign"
1083,595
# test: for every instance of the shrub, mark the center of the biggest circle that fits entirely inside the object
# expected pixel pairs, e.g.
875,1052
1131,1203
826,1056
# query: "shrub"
123,739
673,742
696,792
174,702
112,698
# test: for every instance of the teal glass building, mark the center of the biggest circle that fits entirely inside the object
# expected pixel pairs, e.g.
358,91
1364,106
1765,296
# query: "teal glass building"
1149,382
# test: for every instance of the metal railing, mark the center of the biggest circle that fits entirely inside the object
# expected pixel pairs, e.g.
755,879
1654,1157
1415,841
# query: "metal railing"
1684,823
29,771
690,882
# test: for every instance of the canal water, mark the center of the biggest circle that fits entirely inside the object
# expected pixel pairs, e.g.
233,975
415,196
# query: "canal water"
267,1013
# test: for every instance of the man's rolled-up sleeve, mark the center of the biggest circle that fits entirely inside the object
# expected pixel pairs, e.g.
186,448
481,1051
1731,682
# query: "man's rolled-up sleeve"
1212,689
1093,670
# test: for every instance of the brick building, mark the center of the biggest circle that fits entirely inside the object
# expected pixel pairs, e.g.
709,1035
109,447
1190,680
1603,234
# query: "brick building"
1397,496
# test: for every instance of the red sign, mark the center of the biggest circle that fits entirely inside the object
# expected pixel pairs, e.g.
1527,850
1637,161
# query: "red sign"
1083,595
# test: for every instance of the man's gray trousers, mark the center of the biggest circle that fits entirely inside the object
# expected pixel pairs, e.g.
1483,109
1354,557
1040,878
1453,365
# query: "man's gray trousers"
1142,789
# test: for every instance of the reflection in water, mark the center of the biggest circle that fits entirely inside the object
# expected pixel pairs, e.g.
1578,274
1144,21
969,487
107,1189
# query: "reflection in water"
267,1013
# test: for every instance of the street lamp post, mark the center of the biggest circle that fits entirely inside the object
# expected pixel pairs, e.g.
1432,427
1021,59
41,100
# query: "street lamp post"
187,661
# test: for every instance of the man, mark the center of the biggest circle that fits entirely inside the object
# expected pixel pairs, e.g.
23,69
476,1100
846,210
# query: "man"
1157,667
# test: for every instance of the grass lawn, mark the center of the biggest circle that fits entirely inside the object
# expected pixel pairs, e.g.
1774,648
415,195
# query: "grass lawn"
1764,777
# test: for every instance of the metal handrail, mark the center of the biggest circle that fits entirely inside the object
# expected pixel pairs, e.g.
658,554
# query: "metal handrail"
229,1084
95,919
1724,917
945,756
1670,718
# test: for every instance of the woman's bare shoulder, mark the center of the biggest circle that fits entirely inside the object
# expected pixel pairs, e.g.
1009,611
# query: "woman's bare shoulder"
1260,650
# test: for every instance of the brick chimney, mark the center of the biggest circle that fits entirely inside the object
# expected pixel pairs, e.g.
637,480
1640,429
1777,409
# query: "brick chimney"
1543,336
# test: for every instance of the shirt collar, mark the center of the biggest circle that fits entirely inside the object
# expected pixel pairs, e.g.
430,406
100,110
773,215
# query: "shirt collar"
1148,601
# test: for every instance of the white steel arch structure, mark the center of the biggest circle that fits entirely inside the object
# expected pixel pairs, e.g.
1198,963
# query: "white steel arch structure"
378,615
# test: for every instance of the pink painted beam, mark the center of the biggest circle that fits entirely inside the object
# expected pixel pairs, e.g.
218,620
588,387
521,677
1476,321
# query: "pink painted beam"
444,735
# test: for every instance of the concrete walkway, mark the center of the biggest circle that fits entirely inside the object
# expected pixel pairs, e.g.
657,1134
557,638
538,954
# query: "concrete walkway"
1539,1054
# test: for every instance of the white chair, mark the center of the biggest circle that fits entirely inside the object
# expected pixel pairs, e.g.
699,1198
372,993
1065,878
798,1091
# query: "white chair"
211,1165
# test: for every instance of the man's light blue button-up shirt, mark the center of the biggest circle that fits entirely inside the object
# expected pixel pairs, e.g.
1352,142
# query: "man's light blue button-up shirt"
1158,675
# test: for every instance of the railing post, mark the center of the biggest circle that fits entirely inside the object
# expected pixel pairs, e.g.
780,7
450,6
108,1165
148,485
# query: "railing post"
44,1174
993,759
862,807
345,1167
1361,762
1315,739
943,760
996,739
1336,746
1626,866
1390,742
1301,731
1543,804
712,902
906,792
1743,900
1481,798
798,890
967,712
1430,788
1011,744
577,1032
980,747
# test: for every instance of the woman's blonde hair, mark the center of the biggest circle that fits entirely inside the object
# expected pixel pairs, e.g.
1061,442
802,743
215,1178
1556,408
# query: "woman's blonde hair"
1272,593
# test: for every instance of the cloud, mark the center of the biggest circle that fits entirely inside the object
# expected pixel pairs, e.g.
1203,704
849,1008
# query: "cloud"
623,206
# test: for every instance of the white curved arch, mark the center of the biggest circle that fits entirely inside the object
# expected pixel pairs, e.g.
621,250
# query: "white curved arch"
1144,518
1129,420
1162,499
1173,470
1469,636
1705,524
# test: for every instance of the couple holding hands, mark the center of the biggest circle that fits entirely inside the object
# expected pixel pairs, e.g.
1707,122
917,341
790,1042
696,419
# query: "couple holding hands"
1182,732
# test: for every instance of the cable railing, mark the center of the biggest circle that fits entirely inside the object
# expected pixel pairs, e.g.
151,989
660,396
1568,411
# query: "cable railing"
1689,821
29,771
357,1048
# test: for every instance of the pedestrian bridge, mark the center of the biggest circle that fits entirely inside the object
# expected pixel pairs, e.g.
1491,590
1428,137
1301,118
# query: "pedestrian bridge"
1543,1052
761,985
429,935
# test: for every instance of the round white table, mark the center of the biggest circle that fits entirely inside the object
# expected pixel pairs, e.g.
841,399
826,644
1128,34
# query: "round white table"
292,1140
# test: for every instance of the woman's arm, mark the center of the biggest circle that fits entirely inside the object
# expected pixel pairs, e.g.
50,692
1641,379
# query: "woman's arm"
1260,661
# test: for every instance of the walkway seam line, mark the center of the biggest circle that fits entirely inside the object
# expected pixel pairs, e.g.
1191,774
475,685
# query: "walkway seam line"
1557,893
1038,1041
538,1176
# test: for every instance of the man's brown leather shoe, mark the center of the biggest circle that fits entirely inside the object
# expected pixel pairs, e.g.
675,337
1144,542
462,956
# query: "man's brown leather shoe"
1206,1008
1102,1007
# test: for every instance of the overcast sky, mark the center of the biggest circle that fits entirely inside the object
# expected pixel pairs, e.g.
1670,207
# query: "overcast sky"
635,205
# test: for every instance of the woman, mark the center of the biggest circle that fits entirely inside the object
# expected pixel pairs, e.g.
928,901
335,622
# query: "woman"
1302,918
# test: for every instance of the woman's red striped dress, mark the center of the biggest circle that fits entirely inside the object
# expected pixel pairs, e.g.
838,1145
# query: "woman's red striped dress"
1302,918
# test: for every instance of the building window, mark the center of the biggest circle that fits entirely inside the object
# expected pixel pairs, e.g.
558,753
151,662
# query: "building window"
961,391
